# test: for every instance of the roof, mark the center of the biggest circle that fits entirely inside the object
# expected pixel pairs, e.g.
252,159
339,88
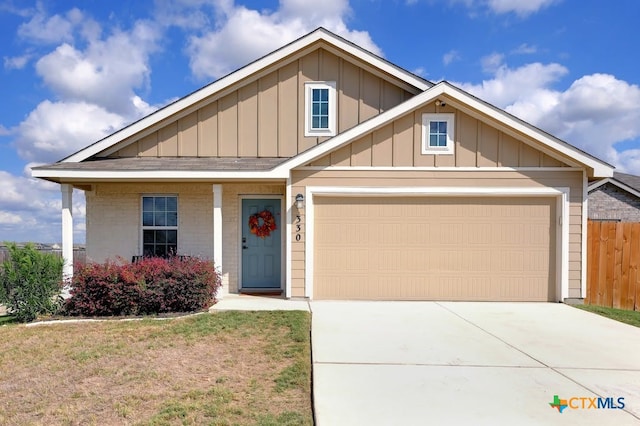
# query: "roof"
319,34
626,182
470,104
164,168
82,165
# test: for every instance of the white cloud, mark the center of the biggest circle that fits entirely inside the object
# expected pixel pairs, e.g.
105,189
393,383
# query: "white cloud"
491,63
7,218
525,49
450,56
519,7
50,29
31,209
16,62
509,86
595,113
56,129
106,73
522,8
229,45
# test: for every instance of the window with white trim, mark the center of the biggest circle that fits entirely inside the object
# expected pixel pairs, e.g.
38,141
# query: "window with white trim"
159,225
320,108
438,133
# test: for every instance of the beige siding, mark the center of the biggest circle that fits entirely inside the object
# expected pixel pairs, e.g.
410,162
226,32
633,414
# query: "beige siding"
465,179
477,144
264,116
434,248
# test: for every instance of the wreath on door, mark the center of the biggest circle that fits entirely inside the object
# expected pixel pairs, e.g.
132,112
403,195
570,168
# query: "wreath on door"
262,224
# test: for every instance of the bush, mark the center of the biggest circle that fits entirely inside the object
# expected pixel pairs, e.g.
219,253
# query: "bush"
151,286
31,282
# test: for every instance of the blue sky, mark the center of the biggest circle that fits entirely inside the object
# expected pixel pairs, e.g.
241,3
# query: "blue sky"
75,71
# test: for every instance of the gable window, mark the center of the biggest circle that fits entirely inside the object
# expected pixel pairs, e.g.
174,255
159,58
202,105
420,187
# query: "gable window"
320,108
437,133
159,225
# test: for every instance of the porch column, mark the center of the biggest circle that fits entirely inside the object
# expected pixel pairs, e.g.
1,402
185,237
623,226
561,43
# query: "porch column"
217,239
67,231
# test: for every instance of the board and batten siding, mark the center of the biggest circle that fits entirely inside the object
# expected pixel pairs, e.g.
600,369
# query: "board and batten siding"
573,179
264,117
399,144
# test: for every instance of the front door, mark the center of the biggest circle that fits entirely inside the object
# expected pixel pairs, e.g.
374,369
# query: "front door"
261,243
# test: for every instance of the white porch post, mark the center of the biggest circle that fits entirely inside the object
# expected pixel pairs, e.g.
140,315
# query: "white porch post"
67,231
217,239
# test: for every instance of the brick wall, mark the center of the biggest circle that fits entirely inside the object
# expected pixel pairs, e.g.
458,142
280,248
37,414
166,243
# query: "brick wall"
608,202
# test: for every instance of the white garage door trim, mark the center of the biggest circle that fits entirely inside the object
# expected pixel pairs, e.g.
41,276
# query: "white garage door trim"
562,213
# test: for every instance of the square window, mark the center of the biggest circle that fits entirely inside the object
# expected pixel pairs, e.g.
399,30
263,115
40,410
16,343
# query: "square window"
438,134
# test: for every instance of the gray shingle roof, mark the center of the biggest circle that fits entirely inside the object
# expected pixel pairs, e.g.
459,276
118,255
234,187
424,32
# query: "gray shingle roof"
171,163
629,180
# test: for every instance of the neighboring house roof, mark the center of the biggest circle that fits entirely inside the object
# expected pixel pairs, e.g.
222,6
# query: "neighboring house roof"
319,35
629,183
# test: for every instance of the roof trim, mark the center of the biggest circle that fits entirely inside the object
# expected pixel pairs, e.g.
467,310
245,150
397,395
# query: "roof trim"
172,175
320,34
599,167
613,181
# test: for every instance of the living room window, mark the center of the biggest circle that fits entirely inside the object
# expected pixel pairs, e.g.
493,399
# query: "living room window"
437,133
320,108
159,225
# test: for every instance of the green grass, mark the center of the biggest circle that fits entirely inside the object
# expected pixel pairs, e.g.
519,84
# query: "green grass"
7,319
621,315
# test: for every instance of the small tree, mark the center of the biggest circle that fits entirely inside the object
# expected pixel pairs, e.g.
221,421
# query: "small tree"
31,282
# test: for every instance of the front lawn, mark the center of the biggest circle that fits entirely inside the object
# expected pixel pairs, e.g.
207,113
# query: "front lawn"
223,369
628,317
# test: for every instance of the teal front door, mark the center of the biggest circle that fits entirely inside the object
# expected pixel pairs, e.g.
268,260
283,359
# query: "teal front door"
261,243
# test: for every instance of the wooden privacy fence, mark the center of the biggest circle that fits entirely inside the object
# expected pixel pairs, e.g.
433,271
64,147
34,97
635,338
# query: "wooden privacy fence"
613,261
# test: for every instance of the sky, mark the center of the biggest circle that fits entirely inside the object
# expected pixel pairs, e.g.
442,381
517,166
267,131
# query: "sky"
76,71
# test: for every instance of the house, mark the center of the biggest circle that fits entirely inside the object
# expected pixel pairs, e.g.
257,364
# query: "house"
615,198
323,171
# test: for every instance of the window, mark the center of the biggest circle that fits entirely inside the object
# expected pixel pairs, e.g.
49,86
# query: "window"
159,225
320,108
437,133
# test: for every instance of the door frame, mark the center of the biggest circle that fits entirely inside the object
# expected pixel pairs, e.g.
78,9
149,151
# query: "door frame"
283,229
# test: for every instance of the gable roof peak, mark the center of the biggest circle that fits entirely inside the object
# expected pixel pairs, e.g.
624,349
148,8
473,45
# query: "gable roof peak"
234,77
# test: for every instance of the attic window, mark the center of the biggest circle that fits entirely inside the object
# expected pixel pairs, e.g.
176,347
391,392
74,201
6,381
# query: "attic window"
437,133
320,108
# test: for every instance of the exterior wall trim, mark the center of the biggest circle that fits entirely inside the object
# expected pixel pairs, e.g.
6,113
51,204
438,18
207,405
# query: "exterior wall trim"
164,175
288,196
562,218
284,254
440,169
217,235
585,217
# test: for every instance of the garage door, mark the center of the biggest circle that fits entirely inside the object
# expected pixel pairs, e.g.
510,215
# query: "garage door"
426,248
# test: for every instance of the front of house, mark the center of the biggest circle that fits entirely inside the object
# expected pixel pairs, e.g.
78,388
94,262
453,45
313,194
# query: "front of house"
323,171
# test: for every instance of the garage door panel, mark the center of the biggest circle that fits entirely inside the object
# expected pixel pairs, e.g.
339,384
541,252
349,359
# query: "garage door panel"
434,248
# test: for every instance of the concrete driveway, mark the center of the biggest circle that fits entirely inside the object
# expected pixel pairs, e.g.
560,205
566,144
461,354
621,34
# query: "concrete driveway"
417,363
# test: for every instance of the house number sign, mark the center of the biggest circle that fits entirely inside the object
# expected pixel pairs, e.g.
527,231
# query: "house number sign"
298,227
